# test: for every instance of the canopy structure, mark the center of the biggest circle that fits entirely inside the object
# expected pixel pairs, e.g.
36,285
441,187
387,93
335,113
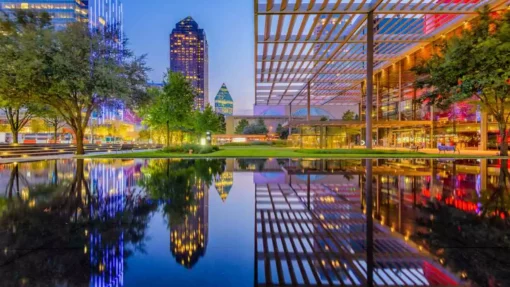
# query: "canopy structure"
321,52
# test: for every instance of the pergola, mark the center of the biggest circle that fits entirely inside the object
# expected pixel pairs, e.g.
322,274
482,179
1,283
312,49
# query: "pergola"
322,52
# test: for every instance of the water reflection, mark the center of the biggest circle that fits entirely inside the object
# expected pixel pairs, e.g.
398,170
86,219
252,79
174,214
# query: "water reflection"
82,222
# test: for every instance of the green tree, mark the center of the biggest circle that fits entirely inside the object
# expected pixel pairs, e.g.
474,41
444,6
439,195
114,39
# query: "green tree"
38,126
257,128
22,39
348,116
86,69
223,124
172,106
241,126
206,120
473,67
53,120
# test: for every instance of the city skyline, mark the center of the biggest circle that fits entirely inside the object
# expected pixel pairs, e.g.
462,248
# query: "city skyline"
230,39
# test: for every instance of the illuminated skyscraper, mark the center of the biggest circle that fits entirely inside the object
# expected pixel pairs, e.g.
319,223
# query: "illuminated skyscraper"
223,103
189,56
96,12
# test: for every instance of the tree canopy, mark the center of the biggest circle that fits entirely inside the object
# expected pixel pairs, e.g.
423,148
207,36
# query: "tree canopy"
23,39
243,123
473,67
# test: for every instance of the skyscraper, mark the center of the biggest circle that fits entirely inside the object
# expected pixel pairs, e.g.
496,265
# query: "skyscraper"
189,56
223,103
96,12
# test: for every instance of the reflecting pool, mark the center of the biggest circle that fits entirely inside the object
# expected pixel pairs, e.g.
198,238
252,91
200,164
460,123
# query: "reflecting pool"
255,222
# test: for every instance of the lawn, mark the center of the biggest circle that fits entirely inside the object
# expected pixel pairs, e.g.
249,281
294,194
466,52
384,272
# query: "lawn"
281,152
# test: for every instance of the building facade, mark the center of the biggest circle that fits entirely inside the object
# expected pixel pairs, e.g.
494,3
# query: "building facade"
189,56
223,103
96,12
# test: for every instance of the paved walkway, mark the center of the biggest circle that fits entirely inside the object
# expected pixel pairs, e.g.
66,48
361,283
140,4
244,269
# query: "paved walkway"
63,156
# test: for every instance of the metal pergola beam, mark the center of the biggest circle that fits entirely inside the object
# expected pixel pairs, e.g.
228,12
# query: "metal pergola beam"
364,8
324,42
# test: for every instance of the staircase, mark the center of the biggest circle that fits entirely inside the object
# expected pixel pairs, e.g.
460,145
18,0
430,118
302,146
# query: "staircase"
39,150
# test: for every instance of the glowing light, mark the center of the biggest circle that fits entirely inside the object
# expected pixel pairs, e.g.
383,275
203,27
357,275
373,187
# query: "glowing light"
202,141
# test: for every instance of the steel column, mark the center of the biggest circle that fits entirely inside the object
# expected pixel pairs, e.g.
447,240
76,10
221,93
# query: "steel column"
308,118
370,79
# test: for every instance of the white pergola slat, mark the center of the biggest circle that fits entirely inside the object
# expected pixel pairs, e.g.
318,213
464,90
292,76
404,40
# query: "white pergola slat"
319,46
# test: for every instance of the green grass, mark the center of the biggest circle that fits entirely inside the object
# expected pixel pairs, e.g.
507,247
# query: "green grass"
279,152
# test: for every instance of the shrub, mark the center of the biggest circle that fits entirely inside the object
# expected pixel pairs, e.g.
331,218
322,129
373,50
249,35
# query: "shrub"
281,143
196,149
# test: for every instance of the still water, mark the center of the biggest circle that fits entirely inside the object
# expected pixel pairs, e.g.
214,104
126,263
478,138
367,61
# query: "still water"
255,222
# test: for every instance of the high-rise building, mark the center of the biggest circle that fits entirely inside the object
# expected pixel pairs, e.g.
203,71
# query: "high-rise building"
223,103
189,56
96,12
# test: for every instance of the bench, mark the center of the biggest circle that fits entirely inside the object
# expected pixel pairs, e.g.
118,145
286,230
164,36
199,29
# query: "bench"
414,148
444,148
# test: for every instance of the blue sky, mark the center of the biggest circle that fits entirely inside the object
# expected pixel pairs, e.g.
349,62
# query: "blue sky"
230,33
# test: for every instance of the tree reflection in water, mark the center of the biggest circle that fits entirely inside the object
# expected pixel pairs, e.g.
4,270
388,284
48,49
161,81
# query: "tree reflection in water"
51,237
476,245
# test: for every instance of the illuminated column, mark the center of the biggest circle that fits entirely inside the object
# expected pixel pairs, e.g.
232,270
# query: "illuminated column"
484,131
399,90
370,79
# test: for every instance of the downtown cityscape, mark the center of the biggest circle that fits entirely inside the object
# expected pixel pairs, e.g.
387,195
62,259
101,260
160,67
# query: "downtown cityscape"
254,143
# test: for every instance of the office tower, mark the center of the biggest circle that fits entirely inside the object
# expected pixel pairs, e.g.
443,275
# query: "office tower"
96,12
223,103
189,56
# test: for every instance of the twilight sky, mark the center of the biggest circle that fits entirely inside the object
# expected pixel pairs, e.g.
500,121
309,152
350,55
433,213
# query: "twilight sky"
229,28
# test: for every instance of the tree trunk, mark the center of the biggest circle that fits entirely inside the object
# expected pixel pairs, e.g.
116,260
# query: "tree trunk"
167,133
80,150
503,149
55,132
15,136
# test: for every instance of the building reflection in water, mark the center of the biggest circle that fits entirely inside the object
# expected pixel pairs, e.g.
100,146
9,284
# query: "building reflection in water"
223,184
315,233
315,224
188,239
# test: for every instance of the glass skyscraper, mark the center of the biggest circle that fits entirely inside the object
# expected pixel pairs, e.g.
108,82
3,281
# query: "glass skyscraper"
223,103
96,12
189,56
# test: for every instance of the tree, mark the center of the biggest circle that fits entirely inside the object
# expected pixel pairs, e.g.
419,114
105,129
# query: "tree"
223,124
243,123
257,128
88,68
53,120
472,67
282,132
21,40
205,121
348,116
38,126
172,106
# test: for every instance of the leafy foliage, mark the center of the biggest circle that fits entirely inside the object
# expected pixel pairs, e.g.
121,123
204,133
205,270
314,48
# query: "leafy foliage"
243,123
472,67
348,116
257,128
22,42
171,107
